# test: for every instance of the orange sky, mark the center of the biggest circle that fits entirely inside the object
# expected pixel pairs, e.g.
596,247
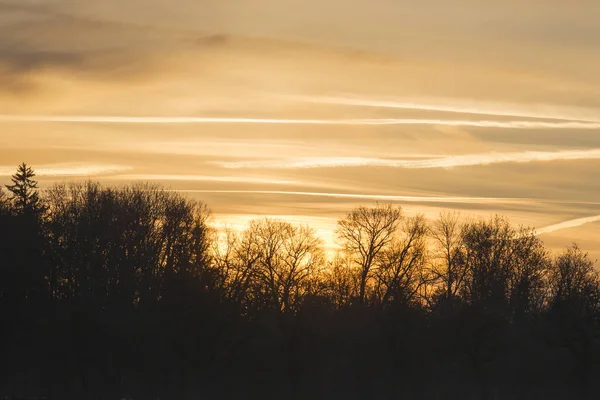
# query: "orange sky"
304,109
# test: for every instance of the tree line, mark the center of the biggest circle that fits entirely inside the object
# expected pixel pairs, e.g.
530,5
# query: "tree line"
112,292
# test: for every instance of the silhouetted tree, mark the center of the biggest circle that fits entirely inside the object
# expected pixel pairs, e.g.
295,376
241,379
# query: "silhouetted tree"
575,310
400,272
24,192
503,283
236,258
364,233
341,280
4,203
23,224
528,276
23,272
122,257
450,270
279,260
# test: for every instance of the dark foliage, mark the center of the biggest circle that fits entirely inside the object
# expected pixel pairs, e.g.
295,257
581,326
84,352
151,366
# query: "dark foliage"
109,293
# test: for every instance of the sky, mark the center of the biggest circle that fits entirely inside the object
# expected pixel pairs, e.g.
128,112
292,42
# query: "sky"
302,110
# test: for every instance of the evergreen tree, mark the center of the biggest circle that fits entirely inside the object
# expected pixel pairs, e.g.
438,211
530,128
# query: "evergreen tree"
23,269
3,202
25,197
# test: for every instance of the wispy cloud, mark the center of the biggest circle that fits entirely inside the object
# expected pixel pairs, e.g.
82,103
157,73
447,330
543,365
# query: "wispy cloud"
308,121
573,223
204,178
377,197
435,162
69,169
462,106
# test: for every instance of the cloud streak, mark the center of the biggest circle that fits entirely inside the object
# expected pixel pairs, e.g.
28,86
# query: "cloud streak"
204,178
453,161
464,107
377,197
573,223
286,121
69,169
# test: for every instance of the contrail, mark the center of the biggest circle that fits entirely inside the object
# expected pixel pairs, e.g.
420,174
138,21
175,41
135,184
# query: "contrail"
568,224
204,178
285,121
464,160
503,110
412,199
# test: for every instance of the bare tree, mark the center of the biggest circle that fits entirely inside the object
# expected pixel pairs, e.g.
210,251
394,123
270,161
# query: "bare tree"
248,255
575,309
488,255
270,236
302,260
574,280
341,280
118,244
235,256
279,261
528,277
185,235
400,271
446,233
364,233
505,267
